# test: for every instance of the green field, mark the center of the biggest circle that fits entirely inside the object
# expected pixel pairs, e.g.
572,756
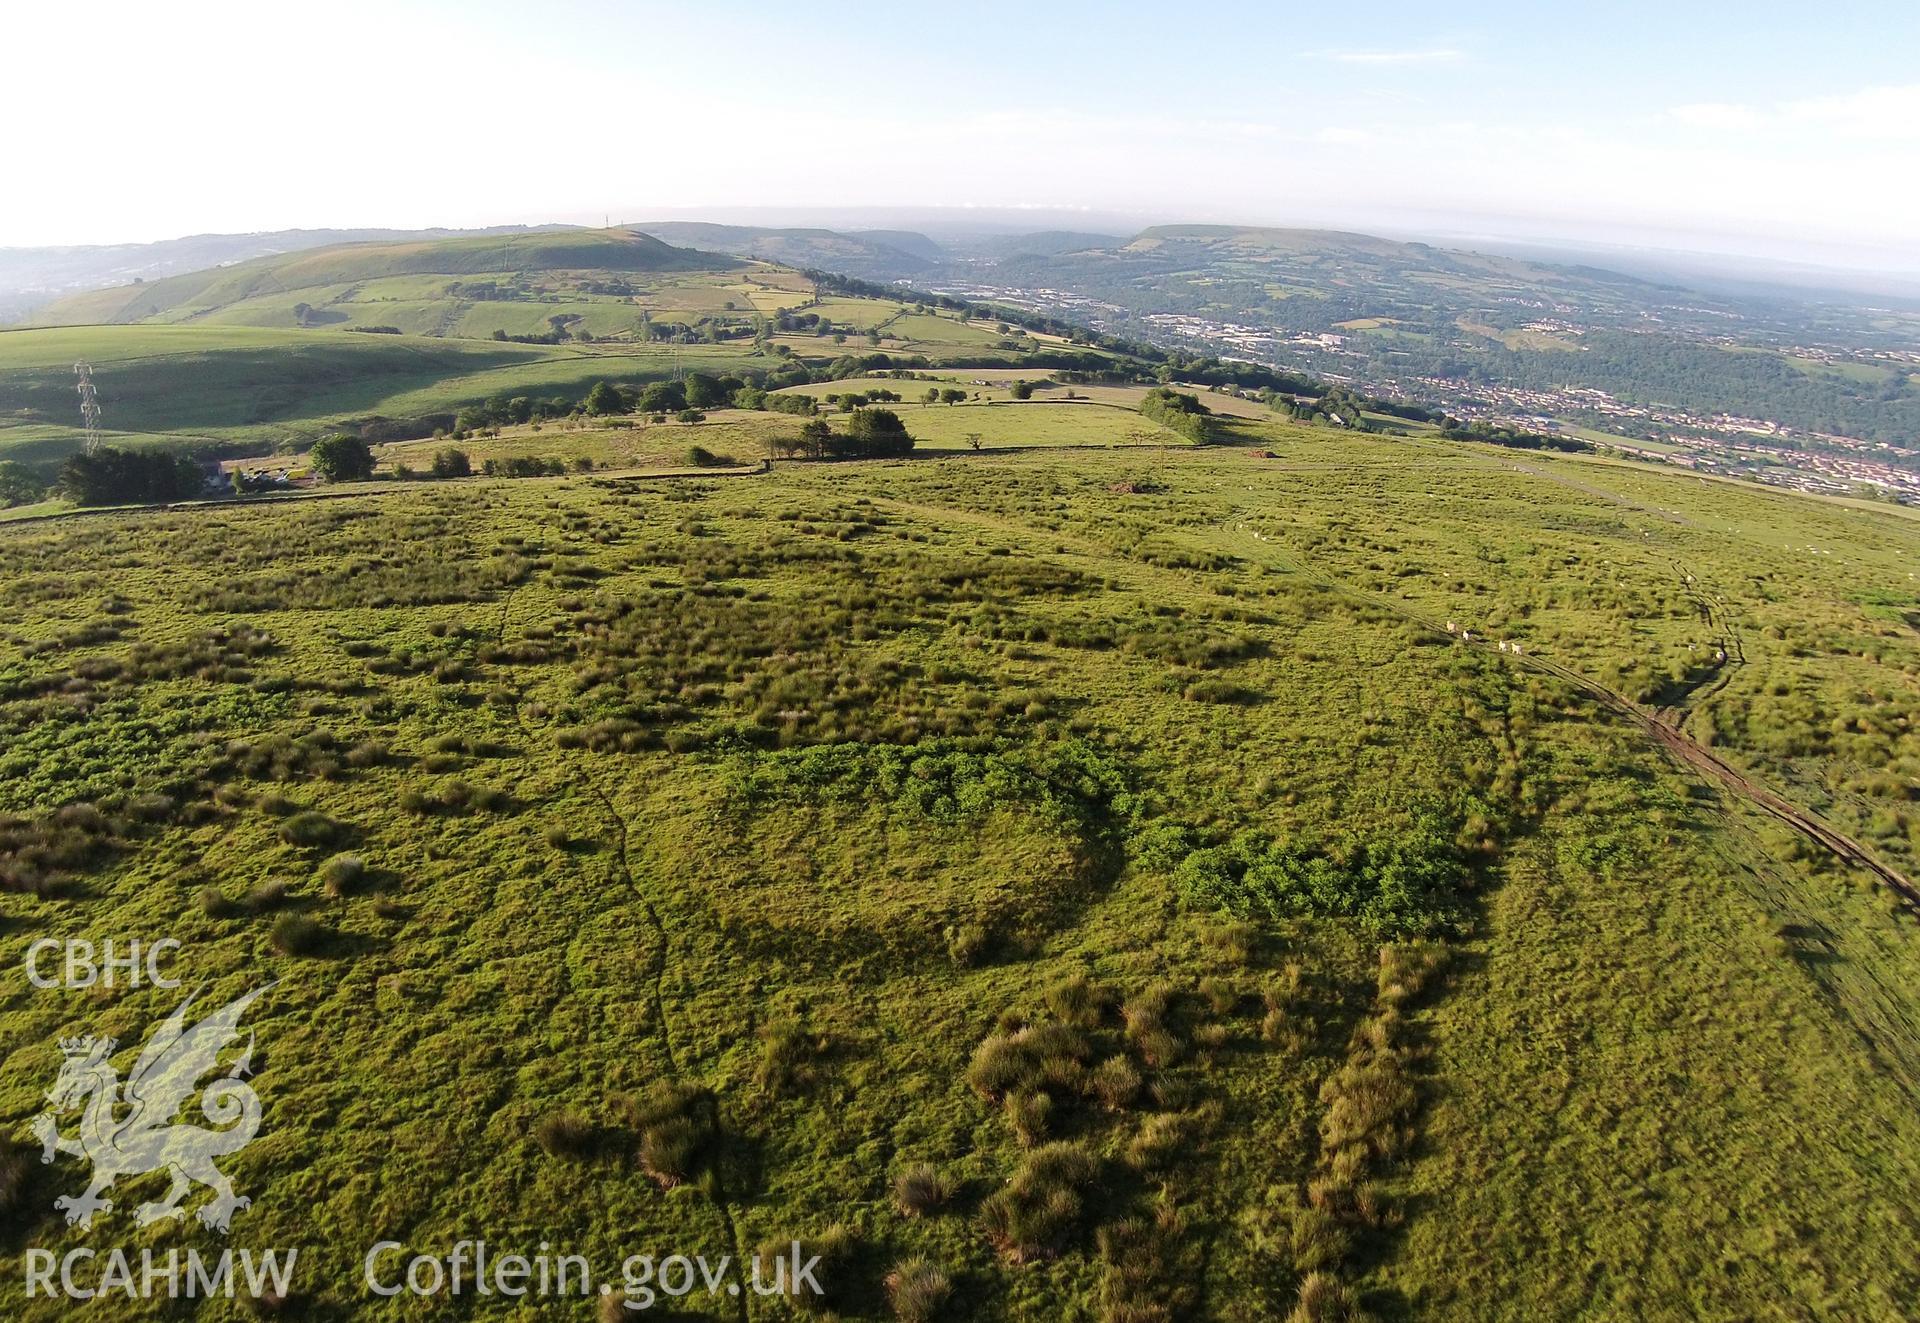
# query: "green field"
1121,836
264,354
236,387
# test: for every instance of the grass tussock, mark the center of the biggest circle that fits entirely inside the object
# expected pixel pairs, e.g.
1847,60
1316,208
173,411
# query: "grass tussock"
567,1134
1043,1204
839,1249
313,830
917,1289
343,874
674,1128
46,856
788,1053
920,1191
299,935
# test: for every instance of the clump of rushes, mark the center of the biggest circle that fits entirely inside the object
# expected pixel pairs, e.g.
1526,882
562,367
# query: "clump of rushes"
917,1289
297,935
967,944
836,1248
1324,1298
311,829
1077,1001
269,895
787,1052
919,1190
566,1135
1028,1113
1222,996
1163,1138
1041,1206
674,1123
1115,1082
1028,1058
1407,968
1232,941
342,873
1146,1017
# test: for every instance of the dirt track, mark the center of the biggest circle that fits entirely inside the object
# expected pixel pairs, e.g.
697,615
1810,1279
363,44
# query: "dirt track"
1702,759
1678,744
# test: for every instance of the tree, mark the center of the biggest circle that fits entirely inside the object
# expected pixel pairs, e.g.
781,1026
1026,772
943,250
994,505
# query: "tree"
951,396
663,397
703,391
876,434
932,396
973,440
1023,390
815,437
302,313
451,463
18,485
605,398
342,458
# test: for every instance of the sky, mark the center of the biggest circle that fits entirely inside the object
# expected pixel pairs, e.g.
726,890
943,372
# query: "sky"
1790,131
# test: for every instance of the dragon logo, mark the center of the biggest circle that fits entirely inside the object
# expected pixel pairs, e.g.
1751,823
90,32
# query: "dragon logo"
130,1129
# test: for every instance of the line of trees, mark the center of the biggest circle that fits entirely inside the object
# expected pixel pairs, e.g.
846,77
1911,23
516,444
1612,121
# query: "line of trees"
869,434
1513,438
120,477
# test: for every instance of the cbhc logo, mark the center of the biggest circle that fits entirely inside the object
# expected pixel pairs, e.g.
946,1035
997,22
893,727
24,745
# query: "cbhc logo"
83,965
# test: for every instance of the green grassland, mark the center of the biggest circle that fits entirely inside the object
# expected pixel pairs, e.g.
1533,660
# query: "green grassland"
1118,834
236,388
272,353
269,355
347,265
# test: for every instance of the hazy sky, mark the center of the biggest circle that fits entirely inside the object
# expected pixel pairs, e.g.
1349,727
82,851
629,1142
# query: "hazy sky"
1790,129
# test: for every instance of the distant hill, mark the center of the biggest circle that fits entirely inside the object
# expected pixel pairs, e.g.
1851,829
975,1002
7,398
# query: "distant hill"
910,242
1257,239
200,293
1431,269
1044,243
872,255
34,277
